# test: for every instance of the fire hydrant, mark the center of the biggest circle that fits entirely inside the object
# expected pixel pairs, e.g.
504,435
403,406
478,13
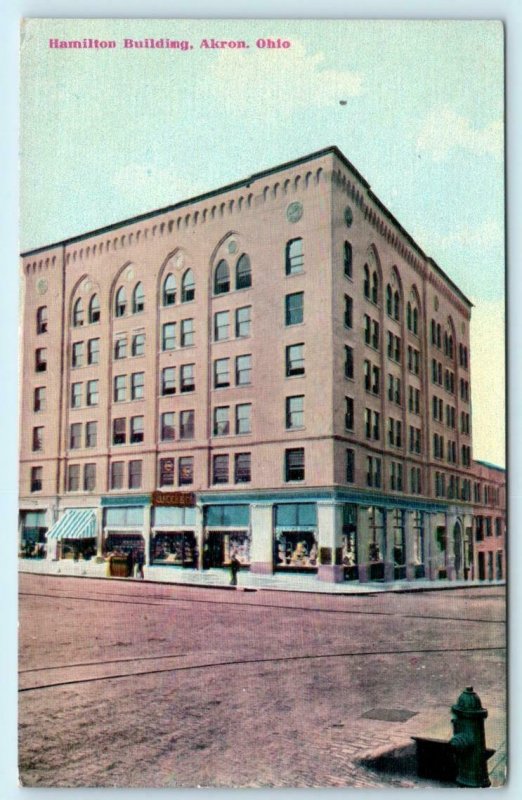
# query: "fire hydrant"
469,740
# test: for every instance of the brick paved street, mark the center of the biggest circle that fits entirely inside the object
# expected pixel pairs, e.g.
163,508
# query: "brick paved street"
212,687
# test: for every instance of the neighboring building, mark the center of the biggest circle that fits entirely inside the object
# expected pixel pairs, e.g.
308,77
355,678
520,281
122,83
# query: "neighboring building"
278,358
489,500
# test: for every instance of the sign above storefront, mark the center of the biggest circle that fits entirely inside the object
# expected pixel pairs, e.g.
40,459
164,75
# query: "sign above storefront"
180,499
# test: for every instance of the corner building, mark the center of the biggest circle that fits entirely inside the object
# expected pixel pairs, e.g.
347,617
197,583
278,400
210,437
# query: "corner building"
274,369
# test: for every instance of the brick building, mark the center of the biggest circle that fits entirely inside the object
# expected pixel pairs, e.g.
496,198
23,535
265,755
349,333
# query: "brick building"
489,497
274,368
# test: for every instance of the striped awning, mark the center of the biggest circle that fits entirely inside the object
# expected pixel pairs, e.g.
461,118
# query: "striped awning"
75,524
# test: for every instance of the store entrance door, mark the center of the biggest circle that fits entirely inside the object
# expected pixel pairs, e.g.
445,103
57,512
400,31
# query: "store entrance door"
214,550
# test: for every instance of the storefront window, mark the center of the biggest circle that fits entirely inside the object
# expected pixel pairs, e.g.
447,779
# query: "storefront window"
399,544
176,547
418,544
296,550
220,545
349,549
376,543
34,541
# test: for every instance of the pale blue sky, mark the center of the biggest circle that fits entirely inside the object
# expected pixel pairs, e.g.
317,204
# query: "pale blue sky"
110,134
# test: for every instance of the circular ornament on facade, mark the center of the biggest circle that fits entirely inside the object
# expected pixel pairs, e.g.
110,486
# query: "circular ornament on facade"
41,286
348,216
87,286
232,247
294,212
436,303
129,274
179,260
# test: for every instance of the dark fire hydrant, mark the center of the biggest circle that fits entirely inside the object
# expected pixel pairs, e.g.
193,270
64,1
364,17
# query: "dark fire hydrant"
469,740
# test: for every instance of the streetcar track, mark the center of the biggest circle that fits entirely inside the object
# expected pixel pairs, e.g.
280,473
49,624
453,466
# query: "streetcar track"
105,661
165,600
266,660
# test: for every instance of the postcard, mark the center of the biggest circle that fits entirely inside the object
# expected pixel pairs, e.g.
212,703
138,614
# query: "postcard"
262,499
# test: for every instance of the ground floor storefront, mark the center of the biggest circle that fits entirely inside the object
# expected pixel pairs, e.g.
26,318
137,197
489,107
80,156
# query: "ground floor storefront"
334,536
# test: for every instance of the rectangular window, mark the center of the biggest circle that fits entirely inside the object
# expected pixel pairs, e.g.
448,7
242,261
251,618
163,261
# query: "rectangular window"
75,436
373,472
119,434
242,468
89,477
375,334
295,360
243,370
348,311
40,400
73,478
295,412
295,464
136,430
36,479
117,475
138,344
41,359
350,466
168,336
294,308
166,470
347,259
77,355
221,373
167,430
120,388
220,469
243,318
185,471
294,261
221,326
348,413
221,421
368,329
187,332
348,362
186,425
76,395
168,381
91,434
37,439
120,348
188,383
92,393
93,351
135,474
137,385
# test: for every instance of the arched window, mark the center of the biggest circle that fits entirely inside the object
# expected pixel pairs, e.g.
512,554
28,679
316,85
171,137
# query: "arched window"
188,287
367,281
439,336
77,320
409,322
294,257
243,272
450,346
222,278
396,305
138,299
446,345
389,303
433,332
347,259
41,320
94,309
375,287
169,290
415,321
121,302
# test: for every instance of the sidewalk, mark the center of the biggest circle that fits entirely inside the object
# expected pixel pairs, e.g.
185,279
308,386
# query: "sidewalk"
220,578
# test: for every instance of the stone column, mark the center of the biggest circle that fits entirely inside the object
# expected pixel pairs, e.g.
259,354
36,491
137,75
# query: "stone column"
51,516
199,534
363,541
451,519
330,530
262,542
409,538
389,541
146,532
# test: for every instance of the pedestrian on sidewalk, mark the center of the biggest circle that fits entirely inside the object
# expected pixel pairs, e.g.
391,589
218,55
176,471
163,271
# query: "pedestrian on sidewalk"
130,564
140,560
235,566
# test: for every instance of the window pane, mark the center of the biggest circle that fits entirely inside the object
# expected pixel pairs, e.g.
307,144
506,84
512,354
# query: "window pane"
294,308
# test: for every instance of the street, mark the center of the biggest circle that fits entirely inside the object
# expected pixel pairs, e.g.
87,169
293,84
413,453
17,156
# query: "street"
134,684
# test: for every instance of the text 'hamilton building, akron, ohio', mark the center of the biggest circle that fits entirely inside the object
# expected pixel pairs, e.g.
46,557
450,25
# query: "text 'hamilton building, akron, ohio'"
274,369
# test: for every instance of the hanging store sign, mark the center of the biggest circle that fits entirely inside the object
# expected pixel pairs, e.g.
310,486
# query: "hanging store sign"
180,499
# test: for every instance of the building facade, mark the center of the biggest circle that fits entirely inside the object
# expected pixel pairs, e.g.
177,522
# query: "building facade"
489,497
274,369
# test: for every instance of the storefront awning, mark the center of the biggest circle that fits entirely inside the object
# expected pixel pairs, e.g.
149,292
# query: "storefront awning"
75,524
